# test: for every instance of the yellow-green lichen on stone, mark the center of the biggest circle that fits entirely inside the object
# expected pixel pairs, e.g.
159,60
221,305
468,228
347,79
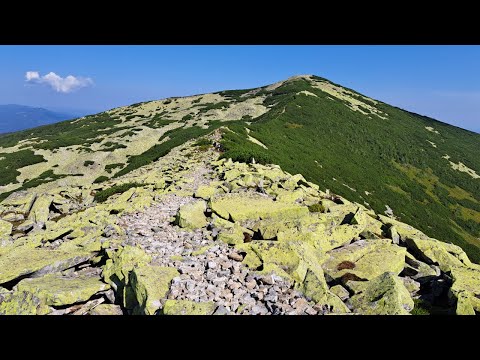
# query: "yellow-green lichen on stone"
57,290
192,215
366,259
24,260
5,229
466,289
41,209
405,231
206,191
117,269
253,206
187,307
383,295
447,256
151,284
20,201
22,303
321,237
106,309
228,232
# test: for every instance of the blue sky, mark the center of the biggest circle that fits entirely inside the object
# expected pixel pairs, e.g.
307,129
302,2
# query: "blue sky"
438,81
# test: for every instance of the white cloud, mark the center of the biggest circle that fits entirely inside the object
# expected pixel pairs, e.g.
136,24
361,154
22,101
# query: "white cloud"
32,75
57,83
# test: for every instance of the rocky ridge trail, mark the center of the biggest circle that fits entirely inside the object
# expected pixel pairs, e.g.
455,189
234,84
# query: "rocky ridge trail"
190,234
210,272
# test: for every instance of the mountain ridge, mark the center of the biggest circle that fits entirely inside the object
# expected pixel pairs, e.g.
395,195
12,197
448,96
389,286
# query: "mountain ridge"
423,169
293,198
194,234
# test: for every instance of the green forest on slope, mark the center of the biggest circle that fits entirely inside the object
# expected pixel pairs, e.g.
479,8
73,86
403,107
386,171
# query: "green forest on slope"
332,145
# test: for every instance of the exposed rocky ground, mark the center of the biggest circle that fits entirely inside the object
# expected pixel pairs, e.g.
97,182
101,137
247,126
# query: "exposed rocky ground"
197,235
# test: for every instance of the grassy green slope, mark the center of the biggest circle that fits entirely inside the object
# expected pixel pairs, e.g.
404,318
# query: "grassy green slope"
389,158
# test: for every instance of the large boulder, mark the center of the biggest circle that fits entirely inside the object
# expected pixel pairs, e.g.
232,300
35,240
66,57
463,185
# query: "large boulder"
404,231
291,182
20,201
41,209
466,289
207,191
418,270
21,303
289,196
253,206
366,259
151,284
58,290
321,237
116,270
383,295
187,307
192,215
23,261
228,232
447,256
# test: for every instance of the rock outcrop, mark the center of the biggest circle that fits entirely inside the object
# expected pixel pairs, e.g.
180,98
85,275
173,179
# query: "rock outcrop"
198,235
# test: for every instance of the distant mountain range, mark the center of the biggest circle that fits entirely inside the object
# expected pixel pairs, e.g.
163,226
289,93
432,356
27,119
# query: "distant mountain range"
19,117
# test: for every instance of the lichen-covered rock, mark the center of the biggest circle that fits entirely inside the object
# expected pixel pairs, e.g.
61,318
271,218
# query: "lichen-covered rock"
5,229
271,173
22,303
316,288
253,206
466,289
369,224
280,254
321,237
269,228
116,270
12,217
20,201
291,182
383,295
151,284
465,304
366,259
186,307
404,231
206,191
24,260
340,291
418,270
228,232
26,226
106,309
41,209
192,215
57,290
447,256
289,196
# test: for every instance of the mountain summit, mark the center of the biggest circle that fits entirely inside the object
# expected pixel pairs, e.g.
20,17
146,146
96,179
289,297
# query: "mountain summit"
189,205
